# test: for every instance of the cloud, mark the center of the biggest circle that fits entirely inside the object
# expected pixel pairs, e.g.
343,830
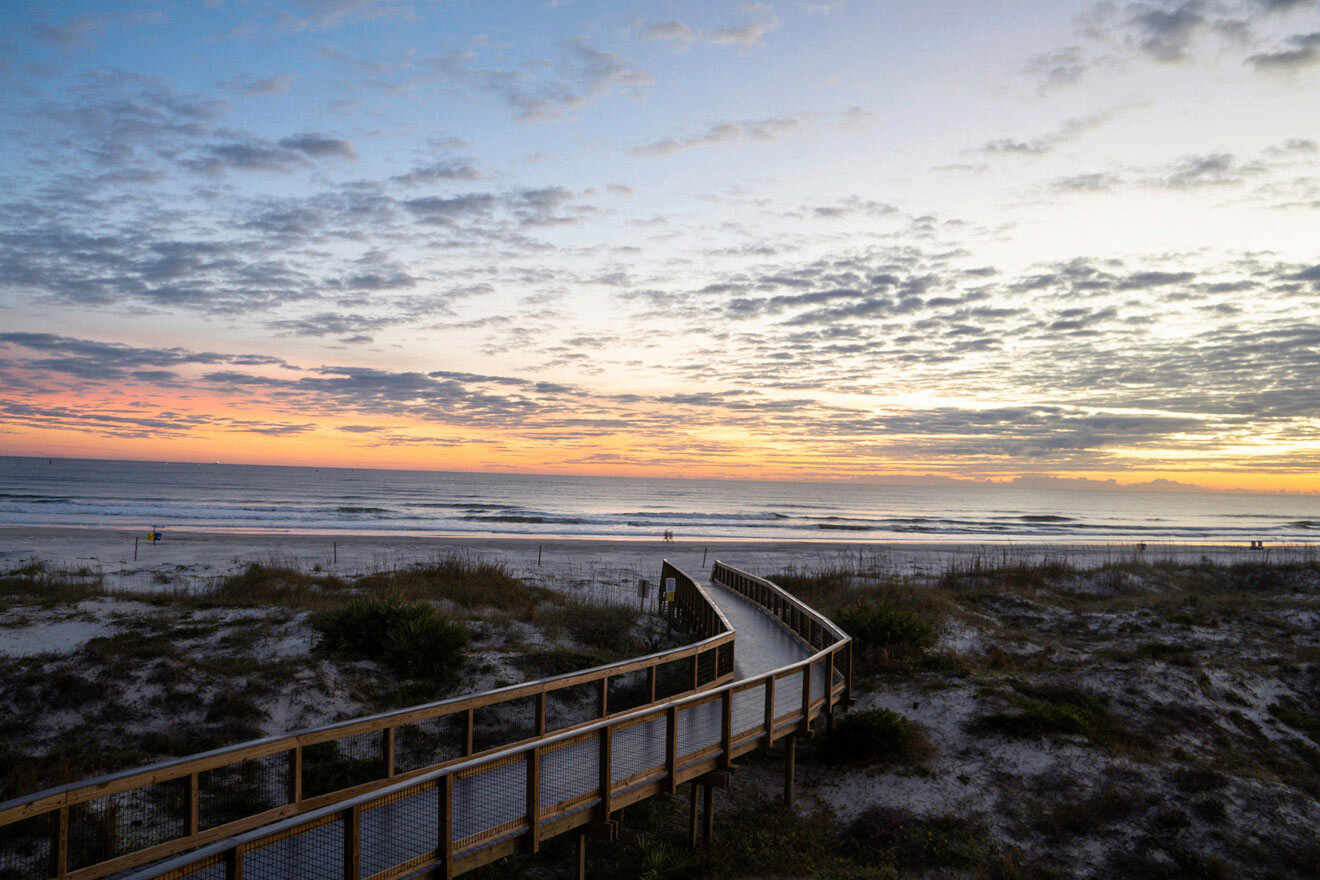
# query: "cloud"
1092,182
543,93
668,31
270,85
1069,130
760,22
1164,34
1305,52
449,169
319,146
720,133
1058,68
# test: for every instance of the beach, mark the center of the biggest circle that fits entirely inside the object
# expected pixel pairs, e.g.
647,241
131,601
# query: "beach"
193,559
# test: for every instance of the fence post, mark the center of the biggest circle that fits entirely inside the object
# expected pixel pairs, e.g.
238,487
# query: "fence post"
534,799
726,729
194,804
806,698
671,747
446,792
352,843
770,710
606,774
471,732
295,774
387,751
59,844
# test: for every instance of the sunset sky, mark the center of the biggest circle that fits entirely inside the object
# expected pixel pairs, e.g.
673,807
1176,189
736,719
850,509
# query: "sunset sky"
799,239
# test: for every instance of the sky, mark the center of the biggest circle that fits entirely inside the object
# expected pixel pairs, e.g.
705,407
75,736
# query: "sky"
819,239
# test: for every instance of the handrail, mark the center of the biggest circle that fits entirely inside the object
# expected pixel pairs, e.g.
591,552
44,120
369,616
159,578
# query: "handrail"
706,663
675,742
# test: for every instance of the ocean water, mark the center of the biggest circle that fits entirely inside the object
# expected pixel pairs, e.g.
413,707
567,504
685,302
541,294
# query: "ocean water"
237,498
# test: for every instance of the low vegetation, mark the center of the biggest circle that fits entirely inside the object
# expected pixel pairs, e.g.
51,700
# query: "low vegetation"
876,737
411,639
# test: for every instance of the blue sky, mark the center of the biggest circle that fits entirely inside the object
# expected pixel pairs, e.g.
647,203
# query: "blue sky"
763,239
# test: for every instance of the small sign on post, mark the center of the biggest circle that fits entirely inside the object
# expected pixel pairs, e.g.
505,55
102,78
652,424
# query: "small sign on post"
671,587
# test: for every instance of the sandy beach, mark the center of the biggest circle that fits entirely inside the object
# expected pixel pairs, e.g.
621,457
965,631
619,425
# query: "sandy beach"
183,559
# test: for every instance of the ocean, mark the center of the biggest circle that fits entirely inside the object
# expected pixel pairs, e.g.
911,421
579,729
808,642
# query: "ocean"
304,500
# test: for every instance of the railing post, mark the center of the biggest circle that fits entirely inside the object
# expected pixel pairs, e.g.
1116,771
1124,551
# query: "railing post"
540,714
604,696
534,799
59,844
671,747
446,813
606,774
295,774
234,864
194,804
352,843
770,710
650,680
726,729
695,682
806,698
387,750
471,732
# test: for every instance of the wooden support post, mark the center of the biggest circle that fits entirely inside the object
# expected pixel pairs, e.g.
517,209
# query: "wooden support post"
234,864
790,766
671,748
445,790
695,658
806,698
606,774
726,730
650,680
471,732
194,805
352,843
692,815
604,696
59,844
534,800
540,714
295,775
387,745
582,855
708,817
769,711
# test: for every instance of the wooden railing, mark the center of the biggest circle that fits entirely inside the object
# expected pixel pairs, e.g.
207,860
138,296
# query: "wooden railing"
467,814
105,825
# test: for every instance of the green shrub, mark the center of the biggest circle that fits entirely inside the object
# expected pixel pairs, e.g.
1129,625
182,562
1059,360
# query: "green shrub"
887,836
877,736
606,628
412,640
882,626
1048,710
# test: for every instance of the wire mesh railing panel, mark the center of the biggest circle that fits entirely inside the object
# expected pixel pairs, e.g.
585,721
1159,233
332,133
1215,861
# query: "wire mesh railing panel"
570,772
673,678
502,723
748,709
25,846
342,763
630,690
209,868
430,741
110,826
788,694
315,853
402,828
725,665
637,748
490,798
568,706
243,789
819,673
699,726
706,667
